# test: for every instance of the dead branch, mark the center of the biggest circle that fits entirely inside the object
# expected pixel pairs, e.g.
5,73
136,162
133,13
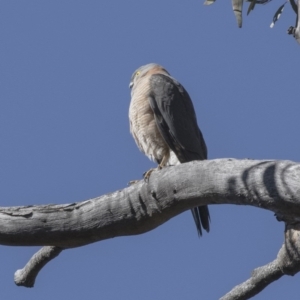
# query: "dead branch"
272,185
26,276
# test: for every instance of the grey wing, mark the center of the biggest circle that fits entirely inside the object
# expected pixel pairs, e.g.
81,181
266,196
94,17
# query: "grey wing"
176,119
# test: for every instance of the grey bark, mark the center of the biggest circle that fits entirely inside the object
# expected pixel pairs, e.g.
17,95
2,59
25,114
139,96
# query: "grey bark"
297,29
26,276
272,185
286,263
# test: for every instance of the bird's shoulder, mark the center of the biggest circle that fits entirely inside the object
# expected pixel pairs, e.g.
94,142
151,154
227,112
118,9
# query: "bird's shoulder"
159,78
164,83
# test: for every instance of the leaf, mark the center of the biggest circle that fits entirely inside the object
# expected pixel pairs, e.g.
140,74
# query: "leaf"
277,14
251,6
209,2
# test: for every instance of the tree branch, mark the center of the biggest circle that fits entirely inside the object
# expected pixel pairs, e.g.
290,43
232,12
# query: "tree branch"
260,278
272,185
26,276
297,29
286,263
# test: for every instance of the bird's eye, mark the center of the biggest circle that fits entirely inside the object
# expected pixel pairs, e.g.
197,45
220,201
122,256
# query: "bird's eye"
137,73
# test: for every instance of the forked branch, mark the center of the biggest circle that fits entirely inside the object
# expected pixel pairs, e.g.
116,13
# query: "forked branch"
272,185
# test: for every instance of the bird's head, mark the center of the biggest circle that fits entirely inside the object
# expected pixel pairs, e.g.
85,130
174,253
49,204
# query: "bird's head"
146,70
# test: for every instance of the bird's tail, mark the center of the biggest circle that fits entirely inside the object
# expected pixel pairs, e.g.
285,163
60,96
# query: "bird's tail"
201,218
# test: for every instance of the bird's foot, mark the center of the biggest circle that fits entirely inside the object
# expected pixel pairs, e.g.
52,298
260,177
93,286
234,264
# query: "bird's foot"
147,174
132,182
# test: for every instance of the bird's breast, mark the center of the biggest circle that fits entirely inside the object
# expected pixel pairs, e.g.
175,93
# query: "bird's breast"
143,125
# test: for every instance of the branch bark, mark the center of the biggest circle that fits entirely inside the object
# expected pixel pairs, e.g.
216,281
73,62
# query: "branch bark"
272,185
297,29
26,276
286,263
260,278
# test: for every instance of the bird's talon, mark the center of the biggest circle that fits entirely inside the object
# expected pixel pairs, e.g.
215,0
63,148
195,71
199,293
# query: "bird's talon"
147,174
132,182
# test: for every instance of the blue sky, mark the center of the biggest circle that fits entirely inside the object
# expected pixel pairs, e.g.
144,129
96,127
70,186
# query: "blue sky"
65,67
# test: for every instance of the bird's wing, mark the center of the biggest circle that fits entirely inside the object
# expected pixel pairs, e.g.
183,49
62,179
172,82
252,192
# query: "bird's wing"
175,117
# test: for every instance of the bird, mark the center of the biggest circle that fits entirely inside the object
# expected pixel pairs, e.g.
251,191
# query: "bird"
164,126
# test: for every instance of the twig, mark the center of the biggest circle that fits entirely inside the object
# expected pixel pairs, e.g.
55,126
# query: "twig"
286,263
261,277
26,276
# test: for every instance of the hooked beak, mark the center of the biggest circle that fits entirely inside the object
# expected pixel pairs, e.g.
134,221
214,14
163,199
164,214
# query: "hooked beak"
131,84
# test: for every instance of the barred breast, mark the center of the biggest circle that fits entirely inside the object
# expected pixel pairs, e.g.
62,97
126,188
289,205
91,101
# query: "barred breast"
143,125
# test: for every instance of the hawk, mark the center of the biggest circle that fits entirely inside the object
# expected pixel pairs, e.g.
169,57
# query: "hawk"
164,126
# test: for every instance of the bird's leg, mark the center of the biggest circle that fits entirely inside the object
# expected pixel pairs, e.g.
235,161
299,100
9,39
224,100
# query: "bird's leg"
160,166
164,160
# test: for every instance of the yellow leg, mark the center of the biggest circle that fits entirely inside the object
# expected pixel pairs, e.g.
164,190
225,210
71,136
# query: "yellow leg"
160,166
164,160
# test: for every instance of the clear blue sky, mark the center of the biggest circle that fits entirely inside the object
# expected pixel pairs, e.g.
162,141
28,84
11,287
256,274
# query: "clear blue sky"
65,67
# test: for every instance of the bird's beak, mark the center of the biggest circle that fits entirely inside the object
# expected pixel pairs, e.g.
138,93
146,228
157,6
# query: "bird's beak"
131,84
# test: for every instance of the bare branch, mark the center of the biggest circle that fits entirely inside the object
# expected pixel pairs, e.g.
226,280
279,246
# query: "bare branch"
260,278
286,263
26,276
273,185
297,29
